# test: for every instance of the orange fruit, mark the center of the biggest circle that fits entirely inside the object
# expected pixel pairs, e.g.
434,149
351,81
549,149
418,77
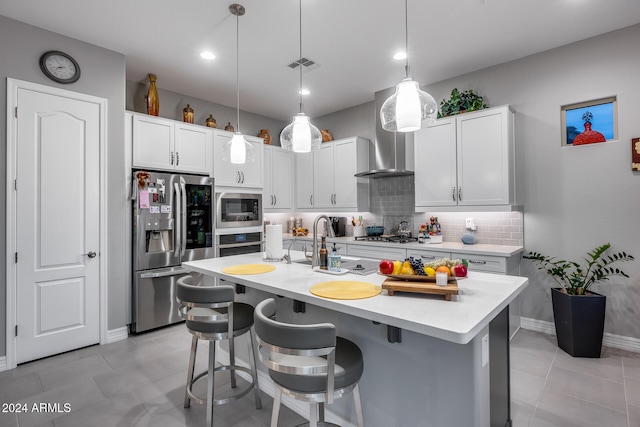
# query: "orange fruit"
443,269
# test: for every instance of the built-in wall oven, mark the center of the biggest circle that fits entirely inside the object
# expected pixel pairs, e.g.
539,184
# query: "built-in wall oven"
238,210
238,243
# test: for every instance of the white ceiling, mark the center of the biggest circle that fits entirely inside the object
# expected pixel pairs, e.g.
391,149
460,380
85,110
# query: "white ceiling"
352,40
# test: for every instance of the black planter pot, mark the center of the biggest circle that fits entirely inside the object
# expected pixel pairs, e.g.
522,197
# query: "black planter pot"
579,322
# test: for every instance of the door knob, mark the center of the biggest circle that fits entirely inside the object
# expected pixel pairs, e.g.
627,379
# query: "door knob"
91,254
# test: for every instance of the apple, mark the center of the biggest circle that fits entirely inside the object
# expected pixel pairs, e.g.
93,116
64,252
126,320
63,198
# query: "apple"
386,266
459,270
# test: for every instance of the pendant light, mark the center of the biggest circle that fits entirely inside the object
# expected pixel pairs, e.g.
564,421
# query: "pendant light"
408,107
238,150
300,136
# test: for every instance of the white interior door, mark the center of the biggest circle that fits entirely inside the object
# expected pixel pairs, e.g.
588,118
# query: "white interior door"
57,224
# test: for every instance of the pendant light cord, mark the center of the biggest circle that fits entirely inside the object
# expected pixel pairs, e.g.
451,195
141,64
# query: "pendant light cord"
406,37
238,72
300,47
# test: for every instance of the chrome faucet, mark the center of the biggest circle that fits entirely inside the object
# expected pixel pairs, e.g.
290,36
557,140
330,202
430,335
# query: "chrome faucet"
287,257
315,259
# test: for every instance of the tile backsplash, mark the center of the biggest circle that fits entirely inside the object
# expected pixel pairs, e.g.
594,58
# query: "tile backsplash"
392,200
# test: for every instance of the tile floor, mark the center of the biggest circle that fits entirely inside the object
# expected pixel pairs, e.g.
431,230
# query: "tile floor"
140,382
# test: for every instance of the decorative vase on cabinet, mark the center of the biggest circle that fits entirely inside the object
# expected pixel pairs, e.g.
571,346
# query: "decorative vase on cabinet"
153,103
211,122
264,133
187,114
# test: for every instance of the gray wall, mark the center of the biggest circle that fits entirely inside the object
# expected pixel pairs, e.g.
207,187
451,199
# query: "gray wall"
172,103
575,198
103,75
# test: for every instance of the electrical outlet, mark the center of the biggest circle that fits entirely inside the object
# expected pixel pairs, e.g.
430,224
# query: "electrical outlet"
471,224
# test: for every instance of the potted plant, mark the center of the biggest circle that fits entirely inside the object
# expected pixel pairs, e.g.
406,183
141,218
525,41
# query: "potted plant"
461,102
578,312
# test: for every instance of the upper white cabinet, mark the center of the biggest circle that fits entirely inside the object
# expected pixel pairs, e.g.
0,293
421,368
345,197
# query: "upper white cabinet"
304,180
278,178
227,174
164,144
325,178
466,160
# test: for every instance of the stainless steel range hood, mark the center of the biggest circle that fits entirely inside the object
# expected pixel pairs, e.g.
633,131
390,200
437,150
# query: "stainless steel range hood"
389,146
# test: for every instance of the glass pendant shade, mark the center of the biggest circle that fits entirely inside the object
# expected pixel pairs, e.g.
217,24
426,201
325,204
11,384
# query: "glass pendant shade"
408,108
238,150
301,136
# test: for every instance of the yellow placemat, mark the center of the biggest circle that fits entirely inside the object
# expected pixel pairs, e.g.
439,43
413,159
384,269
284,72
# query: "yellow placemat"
345,289
248,269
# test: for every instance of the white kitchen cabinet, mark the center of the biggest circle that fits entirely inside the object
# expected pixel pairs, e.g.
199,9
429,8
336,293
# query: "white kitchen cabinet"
227,174
304,180
376,252
163,144
466,160
278,178
334,166
427,256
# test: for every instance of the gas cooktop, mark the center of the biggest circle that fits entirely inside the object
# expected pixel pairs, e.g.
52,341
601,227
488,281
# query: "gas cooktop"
387,238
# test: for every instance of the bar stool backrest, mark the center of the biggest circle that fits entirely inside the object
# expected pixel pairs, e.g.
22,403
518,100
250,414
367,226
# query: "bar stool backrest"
295,349
205,303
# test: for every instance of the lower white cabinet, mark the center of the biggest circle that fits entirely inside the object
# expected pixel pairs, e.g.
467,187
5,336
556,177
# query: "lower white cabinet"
376,252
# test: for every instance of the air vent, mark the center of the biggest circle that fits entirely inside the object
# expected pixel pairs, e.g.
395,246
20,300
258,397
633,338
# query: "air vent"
307,64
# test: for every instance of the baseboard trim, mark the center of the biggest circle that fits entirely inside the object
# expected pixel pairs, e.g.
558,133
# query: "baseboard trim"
269,388
608,340
3,363
119,334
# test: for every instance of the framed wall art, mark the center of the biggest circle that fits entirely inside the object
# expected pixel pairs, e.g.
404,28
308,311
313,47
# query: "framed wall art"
635,154
590,122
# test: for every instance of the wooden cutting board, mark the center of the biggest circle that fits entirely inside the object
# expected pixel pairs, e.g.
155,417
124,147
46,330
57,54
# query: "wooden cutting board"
393,286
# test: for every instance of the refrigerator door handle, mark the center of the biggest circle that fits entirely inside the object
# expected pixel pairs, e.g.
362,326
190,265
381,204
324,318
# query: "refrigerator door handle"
175,272
178,232
183,214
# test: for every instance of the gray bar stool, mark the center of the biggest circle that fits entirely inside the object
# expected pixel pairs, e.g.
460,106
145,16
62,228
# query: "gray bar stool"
308,363
211,314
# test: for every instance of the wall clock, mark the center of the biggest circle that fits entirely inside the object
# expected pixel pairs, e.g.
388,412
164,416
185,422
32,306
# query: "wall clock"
59,67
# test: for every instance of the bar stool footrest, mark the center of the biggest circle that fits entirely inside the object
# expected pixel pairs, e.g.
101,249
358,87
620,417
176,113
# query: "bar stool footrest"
240,393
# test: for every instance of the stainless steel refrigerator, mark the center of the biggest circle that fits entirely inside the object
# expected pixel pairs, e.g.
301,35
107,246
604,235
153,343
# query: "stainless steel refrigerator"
173,221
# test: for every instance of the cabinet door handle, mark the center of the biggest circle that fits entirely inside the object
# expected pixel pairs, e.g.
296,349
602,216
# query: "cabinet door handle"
459,194
177,158
238,177
242,173
275,200
311,200
473,261
453,193
427,257
172,158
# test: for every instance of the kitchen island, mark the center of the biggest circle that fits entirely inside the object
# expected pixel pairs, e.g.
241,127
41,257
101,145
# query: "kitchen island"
449,365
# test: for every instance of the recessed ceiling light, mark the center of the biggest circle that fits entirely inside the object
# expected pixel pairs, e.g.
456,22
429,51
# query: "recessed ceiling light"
207,55
304,92
400,55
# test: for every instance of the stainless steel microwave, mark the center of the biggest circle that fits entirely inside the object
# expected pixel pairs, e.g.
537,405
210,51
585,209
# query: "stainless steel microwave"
238,210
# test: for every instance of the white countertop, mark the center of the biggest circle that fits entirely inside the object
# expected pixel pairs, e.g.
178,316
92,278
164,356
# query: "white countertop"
481,296
458,247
